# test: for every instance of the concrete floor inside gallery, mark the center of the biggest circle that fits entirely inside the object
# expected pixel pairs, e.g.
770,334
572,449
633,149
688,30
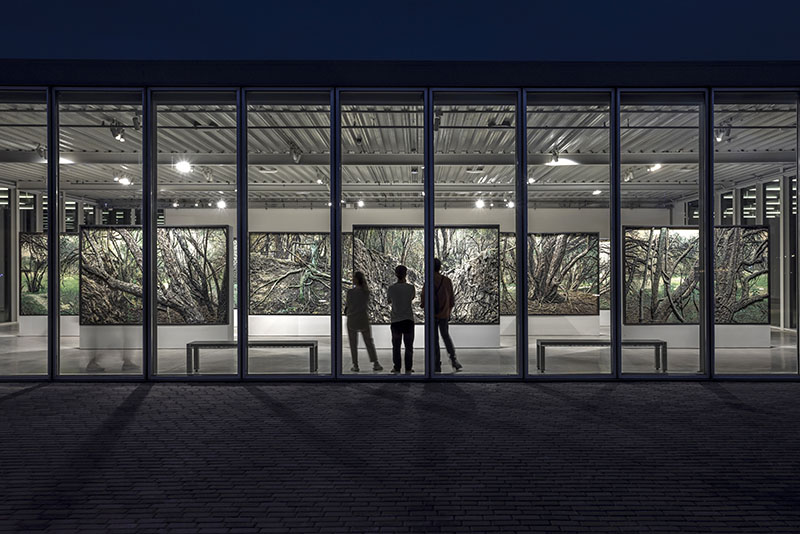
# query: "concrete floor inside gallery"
27,355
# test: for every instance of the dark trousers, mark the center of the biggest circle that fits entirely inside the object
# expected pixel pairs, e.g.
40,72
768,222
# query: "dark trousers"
442,327
403,332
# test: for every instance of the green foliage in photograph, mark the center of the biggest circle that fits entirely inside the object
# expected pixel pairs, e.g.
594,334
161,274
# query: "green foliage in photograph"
563,274
33,273
290,274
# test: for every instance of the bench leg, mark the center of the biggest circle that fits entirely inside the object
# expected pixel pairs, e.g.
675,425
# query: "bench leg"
657,352
197,359
188,360
664,358
313,360
541,365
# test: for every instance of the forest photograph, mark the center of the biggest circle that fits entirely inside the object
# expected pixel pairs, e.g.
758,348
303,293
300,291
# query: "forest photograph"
662,275
111,276
33,273
563,274
605,274
193,276
508,273
661,283
290,274
469,257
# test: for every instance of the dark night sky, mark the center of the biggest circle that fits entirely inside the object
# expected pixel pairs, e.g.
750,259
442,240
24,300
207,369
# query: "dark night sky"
409,29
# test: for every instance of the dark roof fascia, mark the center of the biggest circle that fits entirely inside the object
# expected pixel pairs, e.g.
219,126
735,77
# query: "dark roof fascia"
107,73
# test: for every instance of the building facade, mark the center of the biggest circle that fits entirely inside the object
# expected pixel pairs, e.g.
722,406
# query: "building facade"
205,220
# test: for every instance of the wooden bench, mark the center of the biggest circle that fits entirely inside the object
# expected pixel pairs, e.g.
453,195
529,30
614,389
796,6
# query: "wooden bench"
193,350
659,345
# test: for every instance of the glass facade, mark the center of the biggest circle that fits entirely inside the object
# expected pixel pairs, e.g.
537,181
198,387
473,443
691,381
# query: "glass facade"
398,233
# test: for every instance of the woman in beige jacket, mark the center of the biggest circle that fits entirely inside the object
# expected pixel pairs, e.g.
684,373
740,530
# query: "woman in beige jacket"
356,307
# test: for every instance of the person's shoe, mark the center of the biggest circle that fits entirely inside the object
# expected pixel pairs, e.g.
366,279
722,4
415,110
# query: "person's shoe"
129,366
376,366
395,371
409,371
456,364
94,367
354,369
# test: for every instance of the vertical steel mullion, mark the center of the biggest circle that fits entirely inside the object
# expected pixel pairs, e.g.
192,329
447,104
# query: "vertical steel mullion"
149,203
429,222
242,239
522,234
616,236
336,234
707,235
797,234
53,263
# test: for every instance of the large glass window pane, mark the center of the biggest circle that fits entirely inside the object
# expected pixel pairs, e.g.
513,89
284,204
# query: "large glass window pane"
196,192
475,201
754,287
661,212
23,243
382,229
289,152
568,233
101,264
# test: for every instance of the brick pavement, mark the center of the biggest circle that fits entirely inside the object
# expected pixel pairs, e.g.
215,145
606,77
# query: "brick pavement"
398,457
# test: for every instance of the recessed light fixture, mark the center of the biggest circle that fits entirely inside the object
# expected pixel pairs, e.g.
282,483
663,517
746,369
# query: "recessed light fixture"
475,170
221,204
183,166
479,203
597,192
267,170
360,203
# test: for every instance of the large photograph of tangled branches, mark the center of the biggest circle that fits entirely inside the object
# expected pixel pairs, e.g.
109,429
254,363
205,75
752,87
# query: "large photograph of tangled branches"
605,274
111,276
33,273
508,273
563,274
376,251
741,274
193,276
290,274
469,257
662,275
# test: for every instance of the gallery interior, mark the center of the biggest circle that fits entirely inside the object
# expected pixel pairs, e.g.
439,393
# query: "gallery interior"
210,233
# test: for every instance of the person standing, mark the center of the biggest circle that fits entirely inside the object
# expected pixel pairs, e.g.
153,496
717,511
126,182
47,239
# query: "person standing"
357,304
443,303
401,296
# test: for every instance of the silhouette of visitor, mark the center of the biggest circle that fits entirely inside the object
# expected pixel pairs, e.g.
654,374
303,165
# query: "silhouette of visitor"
443,303
127,364
401,296
355,308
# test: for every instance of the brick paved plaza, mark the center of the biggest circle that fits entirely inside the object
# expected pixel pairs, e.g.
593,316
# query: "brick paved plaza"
394,457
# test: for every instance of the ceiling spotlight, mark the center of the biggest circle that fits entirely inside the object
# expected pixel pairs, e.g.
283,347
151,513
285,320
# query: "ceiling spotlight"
183,166
208,174
719,134
175,204
531,180
629,176
360,203
557,161
437,120
597,192
40,151
209,204
137,122
475,170
319,181
414,170
124,180
510,204
196,204
267,170
295,152
330,204
479,203
221,204
654,167
117,130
